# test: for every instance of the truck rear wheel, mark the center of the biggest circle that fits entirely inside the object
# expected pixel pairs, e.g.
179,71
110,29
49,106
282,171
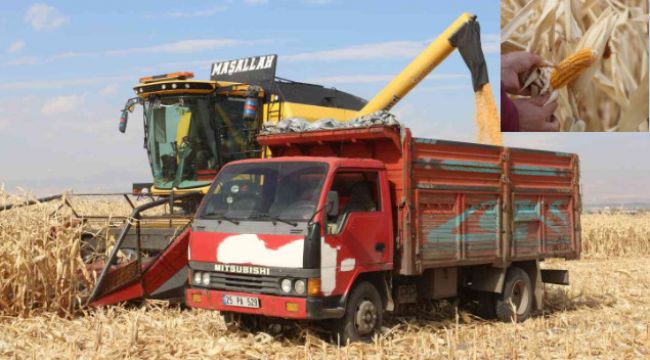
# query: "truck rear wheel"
516,301
363,314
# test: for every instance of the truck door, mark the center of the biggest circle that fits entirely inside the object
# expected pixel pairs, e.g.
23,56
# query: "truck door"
362,231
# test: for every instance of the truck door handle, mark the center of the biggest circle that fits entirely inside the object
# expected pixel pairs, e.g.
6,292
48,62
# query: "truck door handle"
380,247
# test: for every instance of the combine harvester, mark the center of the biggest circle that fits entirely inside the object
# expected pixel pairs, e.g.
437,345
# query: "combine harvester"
192,128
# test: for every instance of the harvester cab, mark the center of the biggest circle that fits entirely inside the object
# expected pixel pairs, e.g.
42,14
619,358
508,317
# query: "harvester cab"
194,127
191,128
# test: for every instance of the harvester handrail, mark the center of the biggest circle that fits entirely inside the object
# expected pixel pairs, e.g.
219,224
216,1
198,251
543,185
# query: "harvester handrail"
135,215
49,198
31,202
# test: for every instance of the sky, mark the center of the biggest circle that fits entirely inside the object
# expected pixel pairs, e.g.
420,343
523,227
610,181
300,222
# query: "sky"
67,68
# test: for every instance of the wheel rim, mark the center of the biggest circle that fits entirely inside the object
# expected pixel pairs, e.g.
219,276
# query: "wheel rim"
520,296
365,317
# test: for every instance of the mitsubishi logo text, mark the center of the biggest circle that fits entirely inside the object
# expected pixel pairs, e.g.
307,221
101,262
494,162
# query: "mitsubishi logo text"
242,269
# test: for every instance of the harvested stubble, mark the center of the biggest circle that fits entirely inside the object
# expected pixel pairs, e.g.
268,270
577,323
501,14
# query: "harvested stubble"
612,94
604,313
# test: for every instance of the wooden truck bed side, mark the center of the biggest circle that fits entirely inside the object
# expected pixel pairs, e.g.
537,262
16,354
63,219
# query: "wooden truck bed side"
478,204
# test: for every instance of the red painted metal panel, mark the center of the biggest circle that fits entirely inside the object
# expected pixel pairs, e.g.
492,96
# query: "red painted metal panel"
269,305
439,225
154,275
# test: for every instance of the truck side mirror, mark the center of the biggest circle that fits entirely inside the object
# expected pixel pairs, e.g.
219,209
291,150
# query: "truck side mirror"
332,203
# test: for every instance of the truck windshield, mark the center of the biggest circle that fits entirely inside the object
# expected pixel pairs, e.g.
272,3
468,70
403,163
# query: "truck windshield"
276,191
189,137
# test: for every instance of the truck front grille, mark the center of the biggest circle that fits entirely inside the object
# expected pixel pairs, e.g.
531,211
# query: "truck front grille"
245,283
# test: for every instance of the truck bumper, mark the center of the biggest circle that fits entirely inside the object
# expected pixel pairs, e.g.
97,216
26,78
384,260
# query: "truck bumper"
270,305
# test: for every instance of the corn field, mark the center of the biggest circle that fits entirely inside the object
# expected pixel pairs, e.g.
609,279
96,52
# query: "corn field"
604,313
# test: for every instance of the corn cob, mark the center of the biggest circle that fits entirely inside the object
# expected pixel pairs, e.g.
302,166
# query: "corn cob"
570,68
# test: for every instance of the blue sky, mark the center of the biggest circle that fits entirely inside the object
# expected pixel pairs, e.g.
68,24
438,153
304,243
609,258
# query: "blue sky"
67,68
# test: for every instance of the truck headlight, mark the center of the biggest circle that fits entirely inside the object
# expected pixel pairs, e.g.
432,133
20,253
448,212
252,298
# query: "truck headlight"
299,286
285,285
197,277
205,278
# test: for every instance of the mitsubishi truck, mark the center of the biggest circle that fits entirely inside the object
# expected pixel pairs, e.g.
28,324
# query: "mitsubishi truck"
347,224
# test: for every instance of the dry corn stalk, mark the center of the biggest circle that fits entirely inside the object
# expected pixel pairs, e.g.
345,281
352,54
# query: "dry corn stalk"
606,96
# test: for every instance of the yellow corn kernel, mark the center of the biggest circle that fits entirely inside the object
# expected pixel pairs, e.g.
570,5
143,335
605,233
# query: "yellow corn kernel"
570,68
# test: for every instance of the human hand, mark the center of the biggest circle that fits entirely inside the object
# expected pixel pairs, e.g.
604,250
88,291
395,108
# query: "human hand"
535,116
515,64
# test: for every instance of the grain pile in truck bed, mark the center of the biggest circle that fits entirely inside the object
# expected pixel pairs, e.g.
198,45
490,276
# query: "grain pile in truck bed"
612,94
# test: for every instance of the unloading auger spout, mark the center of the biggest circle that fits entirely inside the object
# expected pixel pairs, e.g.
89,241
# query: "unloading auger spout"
464,35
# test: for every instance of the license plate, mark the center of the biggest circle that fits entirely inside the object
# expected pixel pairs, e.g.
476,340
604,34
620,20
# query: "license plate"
241,301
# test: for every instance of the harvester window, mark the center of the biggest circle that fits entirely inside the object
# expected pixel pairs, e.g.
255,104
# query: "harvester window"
181,140
236,135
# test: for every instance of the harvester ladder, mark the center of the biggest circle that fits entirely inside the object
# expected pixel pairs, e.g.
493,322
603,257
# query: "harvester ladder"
274,109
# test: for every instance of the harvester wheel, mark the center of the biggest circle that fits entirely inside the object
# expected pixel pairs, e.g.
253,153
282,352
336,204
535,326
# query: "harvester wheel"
363,315
516,301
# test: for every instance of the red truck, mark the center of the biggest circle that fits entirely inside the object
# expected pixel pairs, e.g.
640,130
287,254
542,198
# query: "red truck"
346,224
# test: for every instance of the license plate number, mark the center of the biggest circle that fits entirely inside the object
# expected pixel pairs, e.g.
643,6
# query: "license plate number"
241,301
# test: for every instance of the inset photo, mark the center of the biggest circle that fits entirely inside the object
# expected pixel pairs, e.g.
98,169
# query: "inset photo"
574,66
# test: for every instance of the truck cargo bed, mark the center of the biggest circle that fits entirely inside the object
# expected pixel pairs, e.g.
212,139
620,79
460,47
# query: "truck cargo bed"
473,203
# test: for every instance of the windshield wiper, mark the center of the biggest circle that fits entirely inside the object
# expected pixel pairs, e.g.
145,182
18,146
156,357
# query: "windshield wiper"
221,217
275,220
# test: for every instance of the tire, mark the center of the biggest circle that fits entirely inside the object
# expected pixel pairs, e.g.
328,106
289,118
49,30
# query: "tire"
517,290
363,315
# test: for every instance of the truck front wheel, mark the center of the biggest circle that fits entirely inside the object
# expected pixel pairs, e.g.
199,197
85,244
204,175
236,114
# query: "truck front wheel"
516,301
363,314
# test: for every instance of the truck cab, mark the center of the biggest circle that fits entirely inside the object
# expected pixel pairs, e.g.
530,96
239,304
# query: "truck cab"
287,237
345,224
